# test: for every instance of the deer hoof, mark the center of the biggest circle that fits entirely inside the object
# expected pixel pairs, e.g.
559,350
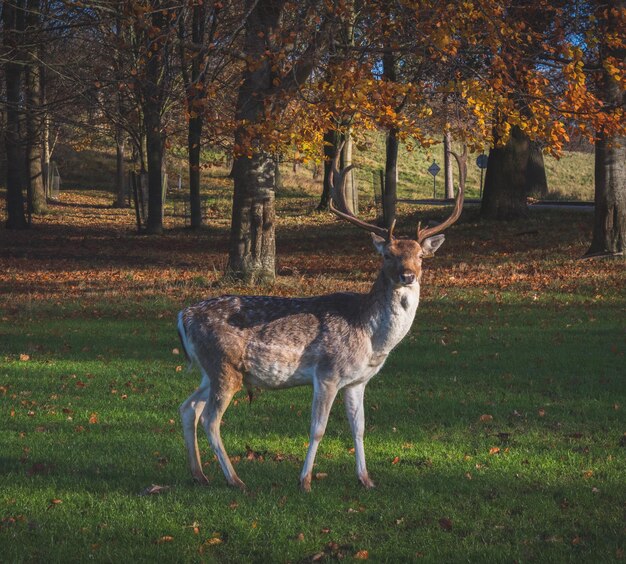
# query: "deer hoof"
305,484
237,483
368,484
201,479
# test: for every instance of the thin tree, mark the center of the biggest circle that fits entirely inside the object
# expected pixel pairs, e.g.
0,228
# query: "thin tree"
13,15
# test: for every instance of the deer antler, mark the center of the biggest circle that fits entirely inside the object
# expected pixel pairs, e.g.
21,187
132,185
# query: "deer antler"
339,192
461,161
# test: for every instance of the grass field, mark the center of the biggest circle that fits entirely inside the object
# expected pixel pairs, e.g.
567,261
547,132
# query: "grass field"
495,432
569,178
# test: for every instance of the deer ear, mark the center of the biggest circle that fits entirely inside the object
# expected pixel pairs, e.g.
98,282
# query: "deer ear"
379,243
430,245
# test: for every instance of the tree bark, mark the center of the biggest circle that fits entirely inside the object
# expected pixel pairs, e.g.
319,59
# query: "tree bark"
194,146
352,194
390,194
154,154
447,165
34,122
536,180
13,20
278,177
120,169
504,196
252,252
196,117
392,144
609,226
152,101
331,142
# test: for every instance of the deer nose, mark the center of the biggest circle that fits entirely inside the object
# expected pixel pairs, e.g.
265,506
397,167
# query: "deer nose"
407,278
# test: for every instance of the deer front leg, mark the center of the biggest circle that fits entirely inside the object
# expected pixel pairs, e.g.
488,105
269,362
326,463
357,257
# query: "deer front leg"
323,397
214,410
353,399
190,411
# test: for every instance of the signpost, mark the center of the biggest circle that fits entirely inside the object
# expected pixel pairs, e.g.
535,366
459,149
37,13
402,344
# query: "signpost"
434,170
481,163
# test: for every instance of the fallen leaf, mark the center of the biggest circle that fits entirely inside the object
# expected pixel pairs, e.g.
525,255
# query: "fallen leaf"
175,351
494,450
445,524
54,502
154,489
164,539
93,418
486,417
321,475
24,357
362,555
395,460
541,412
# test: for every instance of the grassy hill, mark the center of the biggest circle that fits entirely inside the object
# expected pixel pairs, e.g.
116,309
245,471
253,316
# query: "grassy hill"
570,177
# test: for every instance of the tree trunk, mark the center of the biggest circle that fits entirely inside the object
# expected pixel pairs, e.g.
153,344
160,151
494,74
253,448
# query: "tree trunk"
390,187
194,141
609,226
154,150
331,142
120,170
34,124
12,17
194,93
390,194
504,196
252,253
152,101
45,135
536,180
352,194
447,165
278,177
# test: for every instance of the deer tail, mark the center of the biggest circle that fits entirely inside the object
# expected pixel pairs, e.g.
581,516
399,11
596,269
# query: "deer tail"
184,341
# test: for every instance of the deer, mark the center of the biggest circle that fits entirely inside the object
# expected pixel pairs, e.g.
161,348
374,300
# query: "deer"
334,342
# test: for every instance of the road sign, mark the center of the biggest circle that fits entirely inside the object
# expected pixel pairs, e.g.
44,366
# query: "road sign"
481,161
434,169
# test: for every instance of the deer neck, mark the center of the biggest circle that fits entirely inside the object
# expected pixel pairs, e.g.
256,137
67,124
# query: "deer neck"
390,313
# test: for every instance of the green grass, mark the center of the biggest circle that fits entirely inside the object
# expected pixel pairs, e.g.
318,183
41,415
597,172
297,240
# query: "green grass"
550,376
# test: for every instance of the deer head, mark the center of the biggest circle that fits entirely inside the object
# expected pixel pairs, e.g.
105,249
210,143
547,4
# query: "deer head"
402,258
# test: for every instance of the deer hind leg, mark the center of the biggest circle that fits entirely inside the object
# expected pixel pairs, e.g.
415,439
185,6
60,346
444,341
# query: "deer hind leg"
323,398
219,398
190,411
353,399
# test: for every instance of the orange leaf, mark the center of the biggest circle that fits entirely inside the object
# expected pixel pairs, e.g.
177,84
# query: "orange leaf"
494,450
486,417
395,460
362,555
93,418
164,539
